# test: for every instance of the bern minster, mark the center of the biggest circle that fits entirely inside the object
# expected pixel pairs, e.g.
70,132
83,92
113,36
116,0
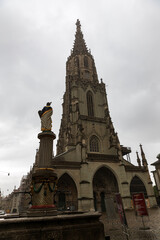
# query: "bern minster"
88,190
91,162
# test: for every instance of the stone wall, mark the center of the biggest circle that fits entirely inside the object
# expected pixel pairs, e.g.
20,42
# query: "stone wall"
80,226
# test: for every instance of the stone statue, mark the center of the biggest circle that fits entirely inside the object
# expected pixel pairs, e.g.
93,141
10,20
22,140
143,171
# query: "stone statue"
45,116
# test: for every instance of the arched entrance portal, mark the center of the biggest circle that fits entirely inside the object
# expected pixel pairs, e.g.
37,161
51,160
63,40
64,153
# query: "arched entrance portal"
137,186
104,187
66,197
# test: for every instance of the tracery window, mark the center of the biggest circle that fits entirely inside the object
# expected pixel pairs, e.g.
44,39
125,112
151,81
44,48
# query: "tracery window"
90,104
94,144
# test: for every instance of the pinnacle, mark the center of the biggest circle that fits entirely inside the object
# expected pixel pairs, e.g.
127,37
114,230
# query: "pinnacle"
143,156
78,24
138,160
79,46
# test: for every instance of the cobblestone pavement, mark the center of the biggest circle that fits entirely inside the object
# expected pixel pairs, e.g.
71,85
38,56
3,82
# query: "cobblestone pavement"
114,229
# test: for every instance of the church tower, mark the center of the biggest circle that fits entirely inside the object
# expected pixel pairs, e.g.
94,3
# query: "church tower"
90,161
86,119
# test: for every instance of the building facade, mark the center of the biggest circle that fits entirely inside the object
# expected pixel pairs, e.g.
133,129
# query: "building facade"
156,175
91,164
90,161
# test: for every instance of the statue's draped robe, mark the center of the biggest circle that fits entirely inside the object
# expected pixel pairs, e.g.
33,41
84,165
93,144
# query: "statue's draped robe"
46,121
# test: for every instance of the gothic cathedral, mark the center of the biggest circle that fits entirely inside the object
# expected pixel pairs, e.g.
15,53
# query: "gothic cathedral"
90,161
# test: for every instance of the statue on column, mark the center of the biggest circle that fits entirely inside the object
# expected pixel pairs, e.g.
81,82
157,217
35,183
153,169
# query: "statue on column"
45,116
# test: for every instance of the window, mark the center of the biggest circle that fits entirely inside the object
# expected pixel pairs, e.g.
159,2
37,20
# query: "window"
94,144
85,61
90,104
76,62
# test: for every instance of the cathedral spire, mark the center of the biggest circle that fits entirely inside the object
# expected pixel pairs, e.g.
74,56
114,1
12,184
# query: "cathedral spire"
144,161
79,46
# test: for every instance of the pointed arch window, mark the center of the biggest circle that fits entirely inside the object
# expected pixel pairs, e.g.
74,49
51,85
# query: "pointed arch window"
94,144
76,62
86,61
90,104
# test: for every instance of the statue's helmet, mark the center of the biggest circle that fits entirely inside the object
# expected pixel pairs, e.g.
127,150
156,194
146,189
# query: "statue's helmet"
48,103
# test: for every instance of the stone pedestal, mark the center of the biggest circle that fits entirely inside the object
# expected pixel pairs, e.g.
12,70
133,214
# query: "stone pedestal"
63,227
45,149
44,179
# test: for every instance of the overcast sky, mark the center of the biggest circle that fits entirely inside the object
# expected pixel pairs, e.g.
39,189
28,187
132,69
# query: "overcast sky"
36,37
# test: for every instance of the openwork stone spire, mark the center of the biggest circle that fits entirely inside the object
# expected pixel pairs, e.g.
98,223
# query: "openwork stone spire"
79,46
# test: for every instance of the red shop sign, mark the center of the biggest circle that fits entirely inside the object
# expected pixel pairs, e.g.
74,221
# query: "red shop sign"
140,204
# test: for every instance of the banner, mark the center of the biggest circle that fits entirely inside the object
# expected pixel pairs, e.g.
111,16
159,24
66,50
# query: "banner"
139,204
121,209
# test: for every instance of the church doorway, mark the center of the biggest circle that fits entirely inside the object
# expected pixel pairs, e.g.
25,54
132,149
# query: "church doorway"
62,201
137,186
104,187
66,198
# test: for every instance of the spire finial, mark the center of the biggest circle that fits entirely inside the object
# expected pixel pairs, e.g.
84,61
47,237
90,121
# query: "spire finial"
78,24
